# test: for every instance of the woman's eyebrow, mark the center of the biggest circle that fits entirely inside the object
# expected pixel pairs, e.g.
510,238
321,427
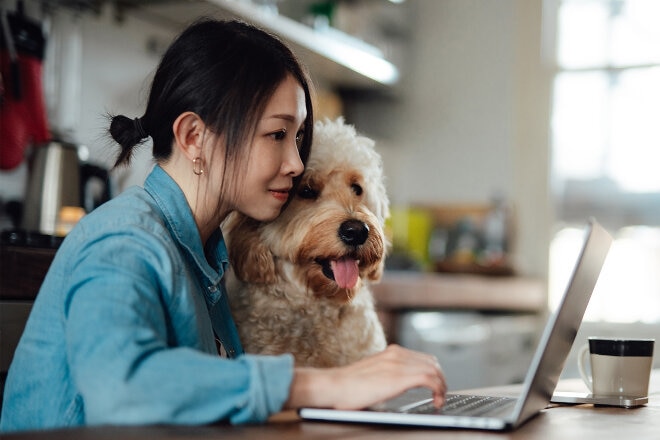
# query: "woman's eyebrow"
286,117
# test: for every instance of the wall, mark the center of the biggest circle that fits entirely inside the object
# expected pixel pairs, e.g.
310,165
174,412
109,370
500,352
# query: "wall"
119,63
455,128
474,115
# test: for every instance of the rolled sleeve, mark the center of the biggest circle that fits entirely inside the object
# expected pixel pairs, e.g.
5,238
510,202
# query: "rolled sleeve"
269,385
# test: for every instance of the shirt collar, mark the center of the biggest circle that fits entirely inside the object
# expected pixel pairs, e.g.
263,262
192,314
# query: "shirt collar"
181,224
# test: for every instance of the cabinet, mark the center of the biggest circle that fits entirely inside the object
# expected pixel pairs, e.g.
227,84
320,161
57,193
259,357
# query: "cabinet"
22,269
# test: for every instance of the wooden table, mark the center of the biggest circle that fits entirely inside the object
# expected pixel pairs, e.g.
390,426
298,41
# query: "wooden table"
580,422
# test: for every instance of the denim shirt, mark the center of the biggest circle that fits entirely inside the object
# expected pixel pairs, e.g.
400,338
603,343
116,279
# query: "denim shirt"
122,330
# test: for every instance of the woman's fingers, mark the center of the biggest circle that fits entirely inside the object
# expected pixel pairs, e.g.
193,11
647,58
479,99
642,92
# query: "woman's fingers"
371,380
386,375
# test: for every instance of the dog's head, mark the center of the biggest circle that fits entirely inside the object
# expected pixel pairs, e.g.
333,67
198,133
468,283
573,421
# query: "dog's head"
330,237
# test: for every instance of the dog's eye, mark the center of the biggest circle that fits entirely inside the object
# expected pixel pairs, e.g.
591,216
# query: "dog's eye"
307,192
299,138
357,189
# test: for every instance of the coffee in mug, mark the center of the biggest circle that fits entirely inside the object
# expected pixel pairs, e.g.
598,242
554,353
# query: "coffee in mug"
619,367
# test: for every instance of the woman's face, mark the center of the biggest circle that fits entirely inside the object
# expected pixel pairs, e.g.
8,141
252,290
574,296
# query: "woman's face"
274,157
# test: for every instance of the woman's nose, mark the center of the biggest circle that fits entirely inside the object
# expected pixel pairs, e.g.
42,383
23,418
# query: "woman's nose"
293,164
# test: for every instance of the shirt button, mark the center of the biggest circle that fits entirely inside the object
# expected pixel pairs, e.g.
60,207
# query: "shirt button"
213,288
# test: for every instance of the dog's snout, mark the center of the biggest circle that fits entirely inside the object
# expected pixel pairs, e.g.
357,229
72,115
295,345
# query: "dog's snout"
353,232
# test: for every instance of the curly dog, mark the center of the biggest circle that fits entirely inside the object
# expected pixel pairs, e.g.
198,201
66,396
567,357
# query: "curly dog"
300,284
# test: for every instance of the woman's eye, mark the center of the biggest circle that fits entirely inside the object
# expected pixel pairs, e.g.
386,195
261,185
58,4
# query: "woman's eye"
279,135
357,189
307,192
299,138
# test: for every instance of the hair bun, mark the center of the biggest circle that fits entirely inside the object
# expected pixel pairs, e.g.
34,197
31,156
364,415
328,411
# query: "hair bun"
127,133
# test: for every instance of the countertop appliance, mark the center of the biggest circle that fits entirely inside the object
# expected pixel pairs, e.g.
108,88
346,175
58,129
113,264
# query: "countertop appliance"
57,183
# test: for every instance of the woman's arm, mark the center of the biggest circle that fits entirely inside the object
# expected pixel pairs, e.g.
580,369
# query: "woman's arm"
135,346
368,381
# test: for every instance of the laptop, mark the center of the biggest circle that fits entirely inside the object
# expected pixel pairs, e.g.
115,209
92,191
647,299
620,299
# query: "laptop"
415,407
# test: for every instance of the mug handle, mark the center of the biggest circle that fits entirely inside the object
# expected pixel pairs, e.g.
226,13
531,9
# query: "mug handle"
587,379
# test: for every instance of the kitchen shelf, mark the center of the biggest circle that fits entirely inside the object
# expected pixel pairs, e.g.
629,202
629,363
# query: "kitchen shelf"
333,57
330,44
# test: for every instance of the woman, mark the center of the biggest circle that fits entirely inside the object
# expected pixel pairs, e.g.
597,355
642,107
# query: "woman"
129,323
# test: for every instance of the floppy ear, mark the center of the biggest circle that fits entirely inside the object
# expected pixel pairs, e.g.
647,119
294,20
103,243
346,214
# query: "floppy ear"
377,273
251,260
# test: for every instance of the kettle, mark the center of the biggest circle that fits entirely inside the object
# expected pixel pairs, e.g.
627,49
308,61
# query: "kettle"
57,185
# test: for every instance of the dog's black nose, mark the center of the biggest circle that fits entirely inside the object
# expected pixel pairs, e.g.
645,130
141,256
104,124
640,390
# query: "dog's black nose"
353,232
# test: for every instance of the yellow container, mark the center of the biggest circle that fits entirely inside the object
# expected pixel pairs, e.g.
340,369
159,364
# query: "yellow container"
409,229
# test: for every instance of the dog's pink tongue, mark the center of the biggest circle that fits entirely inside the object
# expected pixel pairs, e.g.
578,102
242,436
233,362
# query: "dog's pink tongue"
346,272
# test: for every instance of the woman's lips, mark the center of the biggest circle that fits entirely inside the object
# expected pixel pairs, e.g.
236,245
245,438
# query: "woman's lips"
280,194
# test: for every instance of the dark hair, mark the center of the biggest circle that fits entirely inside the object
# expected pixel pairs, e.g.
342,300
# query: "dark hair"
225,72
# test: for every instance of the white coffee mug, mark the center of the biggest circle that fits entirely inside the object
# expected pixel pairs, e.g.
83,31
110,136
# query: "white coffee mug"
619,367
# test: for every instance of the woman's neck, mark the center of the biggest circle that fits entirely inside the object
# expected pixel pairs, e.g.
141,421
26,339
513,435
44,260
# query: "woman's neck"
205,216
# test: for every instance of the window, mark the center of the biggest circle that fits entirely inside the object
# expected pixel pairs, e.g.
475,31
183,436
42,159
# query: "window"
606,149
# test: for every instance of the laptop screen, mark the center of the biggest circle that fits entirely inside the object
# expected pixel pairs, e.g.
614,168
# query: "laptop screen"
561,328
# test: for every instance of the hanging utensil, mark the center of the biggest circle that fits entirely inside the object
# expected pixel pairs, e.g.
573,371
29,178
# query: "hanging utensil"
23,111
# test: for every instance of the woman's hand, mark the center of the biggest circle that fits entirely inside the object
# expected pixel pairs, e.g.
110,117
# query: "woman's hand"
371,380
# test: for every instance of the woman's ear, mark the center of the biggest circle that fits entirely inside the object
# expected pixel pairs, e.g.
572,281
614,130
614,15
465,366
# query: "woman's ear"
188,129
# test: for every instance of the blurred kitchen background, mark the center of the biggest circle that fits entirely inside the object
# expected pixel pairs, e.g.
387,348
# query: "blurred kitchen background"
503,126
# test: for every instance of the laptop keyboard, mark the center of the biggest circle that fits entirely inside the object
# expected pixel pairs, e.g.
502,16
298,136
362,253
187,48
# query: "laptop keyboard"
465,405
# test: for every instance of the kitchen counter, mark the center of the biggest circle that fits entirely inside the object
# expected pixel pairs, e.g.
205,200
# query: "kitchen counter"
413,290
402,291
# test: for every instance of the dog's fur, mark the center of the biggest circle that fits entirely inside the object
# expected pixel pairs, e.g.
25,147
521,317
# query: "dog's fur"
284,295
